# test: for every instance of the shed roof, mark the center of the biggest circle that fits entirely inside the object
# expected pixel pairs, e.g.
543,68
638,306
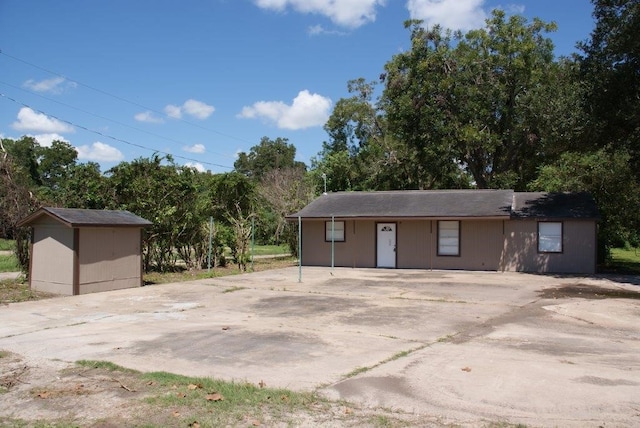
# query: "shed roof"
410,203
450,204
75,217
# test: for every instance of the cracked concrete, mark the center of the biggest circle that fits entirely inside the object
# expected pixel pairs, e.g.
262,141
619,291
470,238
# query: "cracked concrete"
464,348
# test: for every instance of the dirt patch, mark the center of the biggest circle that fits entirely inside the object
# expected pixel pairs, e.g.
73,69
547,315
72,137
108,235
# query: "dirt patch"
586,291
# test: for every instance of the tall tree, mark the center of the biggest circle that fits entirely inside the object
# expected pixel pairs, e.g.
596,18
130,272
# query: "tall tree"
466,101
267,156
611,67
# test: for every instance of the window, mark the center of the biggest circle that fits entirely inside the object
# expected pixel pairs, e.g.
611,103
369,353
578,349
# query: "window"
448,238
550,237
338,231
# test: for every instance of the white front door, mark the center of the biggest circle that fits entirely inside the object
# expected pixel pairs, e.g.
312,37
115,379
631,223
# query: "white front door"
386,245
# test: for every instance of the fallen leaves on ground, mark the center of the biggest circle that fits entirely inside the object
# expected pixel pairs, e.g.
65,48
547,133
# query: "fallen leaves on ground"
214,397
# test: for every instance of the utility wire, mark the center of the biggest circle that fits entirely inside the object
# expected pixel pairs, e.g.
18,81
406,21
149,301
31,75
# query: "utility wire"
112,137
119,97
104,118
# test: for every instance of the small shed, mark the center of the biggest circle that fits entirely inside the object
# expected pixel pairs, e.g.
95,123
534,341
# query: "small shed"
79,251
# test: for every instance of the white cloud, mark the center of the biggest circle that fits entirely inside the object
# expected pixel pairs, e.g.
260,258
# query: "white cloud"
196,148
307,110
29,120
148,117
453,14
45,140
192,107
173,111
99,152
195,165
55,85
346,13
316,30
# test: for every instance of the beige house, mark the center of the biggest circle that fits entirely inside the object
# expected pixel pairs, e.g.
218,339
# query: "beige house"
498,230
76,251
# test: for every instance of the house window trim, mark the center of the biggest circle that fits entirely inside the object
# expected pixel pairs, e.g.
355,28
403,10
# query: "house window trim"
327,231
438,238
561,251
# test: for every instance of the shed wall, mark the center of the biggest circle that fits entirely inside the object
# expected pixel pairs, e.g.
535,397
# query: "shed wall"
52,259
109,259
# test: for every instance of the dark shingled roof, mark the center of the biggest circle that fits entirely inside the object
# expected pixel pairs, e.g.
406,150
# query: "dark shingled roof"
554,205
410,203
450,204
74,217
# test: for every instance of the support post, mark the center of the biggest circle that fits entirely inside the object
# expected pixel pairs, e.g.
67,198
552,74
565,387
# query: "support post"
333,241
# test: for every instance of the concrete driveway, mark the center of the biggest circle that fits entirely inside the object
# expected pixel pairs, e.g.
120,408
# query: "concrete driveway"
457,347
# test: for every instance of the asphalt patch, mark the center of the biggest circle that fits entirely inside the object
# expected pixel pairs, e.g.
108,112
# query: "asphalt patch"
585,291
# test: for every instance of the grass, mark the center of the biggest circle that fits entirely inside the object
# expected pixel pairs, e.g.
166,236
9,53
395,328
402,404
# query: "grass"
167,399
270,250
6,244
9,263
625,261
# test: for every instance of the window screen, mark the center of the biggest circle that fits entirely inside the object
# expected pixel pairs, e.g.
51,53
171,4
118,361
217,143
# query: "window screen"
550,237
338,231
448,238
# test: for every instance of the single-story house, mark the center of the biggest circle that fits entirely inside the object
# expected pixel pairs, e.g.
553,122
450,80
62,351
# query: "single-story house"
498,230
78,251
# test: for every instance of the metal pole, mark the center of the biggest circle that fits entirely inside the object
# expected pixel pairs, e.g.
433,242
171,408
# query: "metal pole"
210,243
299,249
333,240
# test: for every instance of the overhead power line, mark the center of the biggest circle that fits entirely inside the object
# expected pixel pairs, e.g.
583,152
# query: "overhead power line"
112,137
105,118
119,98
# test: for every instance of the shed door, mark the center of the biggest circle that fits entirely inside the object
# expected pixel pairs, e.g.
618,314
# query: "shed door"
386,245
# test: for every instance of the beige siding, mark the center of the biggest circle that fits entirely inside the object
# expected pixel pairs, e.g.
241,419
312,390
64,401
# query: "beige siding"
413,244
480,246
358,249
52,263
109,259
509,245
521,248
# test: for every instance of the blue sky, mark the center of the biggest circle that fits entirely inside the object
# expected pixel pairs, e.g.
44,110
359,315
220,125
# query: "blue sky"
205,79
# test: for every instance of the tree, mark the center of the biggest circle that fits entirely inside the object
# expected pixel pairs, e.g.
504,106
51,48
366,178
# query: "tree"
605,174
466,102
266,156
163,193
286,191
85,187
54,166
611,71
24,157
16,203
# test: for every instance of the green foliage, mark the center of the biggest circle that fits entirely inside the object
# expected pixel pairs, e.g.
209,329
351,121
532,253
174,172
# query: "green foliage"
267,156
607,175
610,70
